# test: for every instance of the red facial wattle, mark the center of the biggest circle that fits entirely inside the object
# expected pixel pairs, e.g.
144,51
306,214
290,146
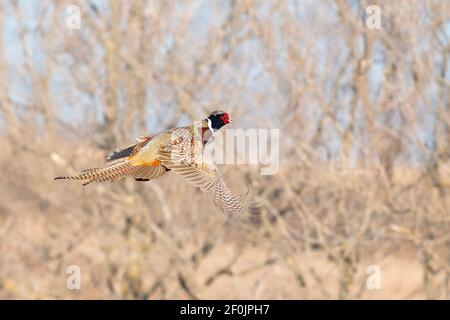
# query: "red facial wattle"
225,118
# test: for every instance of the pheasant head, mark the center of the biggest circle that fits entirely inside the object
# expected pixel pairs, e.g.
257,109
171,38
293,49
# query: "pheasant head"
217,119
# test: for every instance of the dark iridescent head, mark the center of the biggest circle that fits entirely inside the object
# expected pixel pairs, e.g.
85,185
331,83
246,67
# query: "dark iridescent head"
218,119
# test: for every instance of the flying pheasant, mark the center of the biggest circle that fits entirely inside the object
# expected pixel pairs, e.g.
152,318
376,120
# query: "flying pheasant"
179,150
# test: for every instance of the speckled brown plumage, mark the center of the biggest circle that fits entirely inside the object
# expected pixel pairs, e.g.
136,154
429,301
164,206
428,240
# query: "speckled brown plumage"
180,150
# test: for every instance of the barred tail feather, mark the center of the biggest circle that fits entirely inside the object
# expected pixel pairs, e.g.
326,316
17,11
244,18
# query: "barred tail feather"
113,171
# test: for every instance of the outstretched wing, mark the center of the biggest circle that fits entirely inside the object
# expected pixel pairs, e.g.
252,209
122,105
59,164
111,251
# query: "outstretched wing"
130,150
205,176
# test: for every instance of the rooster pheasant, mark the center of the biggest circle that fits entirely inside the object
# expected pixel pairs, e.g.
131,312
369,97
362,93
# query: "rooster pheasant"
179,150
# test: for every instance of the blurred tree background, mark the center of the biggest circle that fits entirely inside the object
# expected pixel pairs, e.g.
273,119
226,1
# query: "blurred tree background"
364,118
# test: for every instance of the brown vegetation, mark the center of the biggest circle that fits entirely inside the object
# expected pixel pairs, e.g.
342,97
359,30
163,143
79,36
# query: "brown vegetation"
364,179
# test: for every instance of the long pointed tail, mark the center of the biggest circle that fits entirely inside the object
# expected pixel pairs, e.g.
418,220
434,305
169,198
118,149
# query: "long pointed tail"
116,170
